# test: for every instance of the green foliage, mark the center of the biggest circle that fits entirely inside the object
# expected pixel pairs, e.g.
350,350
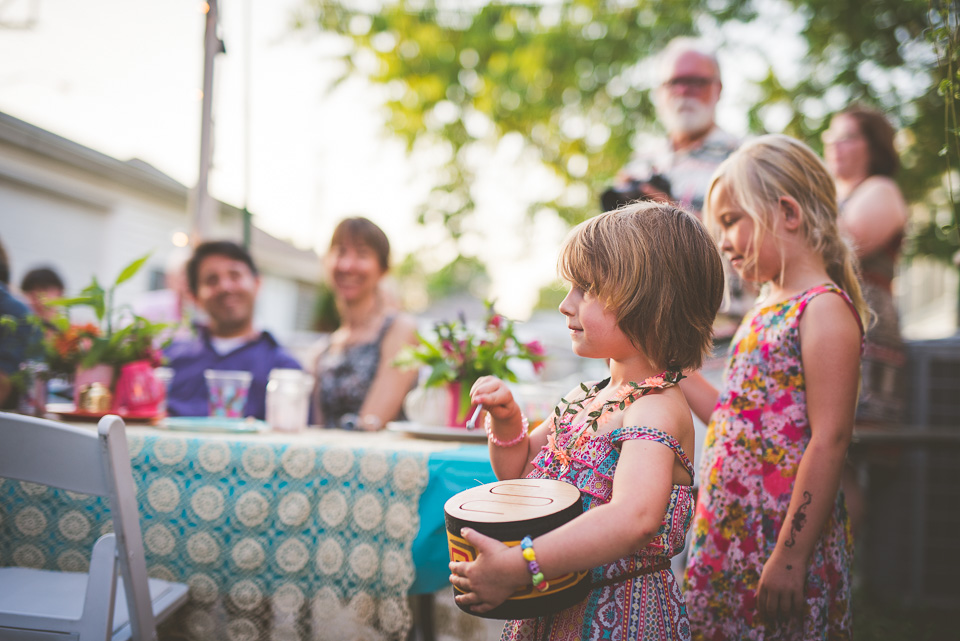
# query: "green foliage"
118,337
456,276
571,78
943,241
462,274
457,353
551,296
326,316
560,75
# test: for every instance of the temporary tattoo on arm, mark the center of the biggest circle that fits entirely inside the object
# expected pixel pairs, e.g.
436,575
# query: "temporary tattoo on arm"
799,519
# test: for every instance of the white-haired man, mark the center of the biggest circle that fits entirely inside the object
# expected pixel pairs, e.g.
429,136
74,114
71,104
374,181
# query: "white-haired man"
686,99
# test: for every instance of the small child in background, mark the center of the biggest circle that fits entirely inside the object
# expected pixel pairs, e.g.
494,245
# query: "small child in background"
646,282
771,552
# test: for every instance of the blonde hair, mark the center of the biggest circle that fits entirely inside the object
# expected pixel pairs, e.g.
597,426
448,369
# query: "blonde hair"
659,270
767,168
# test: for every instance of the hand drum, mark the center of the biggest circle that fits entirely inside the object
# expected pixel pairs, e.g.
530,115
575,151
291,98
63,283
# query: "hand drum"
508,511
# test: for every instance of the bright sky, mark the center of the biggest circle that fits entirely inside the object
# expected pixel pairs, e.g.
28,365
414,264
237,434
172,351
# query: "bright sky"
124,78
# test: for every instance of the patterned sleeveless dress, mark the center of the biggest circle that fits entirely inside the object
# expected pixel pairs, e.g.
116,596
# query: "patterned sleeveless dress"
756,438
344,378
648,607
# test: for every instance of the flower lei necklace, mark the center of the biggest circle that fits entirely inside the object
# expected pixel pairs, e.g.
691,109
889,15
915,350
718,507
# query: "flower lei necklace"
597,415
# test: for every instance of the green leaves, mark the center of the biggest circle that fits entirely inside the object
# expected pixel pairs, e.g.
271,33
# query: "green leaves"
570,79
118,337
128,272
457,352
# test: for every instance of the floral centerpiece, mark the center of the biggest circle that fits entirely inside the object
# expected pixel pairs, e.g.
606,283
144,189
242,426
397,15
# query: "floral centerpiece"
456,355
118,351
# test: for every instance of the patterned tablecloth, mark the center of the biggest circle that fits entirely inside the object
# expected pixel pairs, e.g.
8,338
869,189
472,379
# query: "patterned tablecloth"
306,536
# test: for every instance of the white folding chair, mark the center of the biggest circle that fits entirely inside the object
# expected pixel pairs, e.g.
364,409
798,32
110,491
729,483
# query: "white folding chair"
44,604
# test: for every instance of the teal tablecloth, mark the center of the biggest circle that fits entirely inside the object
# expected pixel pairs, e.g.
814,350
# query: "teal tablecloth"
450,471
315,535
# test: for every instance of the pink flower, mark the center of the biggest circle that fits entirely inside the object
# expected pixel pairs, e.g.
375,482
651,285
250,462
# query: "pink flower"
654,381
536,348
447,347
495,321
558,452
538,366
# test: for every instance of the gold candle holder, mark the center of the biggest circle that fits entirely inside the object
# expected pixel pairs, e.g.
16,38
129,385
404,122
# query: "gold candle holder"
95,398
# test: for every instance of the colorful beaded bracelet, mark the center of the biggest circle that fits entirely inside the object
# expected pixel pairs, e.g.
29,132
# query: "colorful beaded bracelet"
488,426
539,582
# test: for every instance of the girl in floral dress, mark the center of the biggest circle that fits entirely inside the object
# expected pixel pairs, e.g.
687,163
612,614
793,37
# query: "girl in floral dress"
645,284
771,551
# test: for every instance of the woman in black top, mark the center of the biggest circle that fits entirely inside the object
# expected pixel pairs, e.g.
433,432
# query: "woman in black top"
357,385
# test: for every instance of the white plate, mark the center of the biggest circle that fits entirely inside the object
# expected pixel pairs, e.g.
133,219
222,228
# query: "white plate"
437,432
214,424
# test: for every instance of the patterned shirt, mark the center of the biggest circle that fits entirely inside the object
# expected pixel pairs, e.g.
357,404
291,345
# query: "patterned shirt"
689,170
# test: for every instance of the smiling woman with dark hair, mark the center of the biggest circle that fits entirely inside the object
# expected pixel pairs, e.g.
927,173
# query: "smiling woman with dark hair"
358,387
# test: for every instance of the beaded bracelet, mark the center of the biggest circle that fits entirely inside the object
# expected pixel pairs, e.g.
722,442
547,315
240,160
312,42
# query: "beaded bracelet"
526,547
488,426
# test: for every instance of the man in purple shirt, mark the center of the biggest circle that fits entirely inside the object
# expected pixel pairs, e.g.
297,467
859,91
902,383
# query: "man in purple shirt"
224,282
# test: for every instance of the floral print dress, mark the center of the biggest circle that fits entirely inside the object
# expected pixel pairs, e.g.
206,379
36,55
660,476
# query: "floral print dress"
639,598
757,435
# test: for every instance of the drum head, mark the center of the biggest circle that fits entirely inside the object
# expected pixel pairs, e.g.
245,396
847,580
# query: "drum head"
512,501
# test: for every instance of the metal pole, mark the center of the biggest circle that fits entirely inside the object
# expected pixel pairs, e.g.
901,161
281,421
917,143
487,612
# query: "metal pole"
203,206
248,51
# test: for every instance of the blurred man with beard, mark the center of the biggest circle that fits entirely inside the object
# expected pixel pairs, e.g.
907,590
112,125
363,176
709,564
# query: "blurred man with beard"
686,99
224,283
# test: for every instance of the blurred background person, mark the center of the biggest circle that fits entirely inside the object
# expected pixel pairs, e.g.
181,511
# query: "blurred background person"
859,150
685,98
39,286
224,283
680,165
357,385
17,335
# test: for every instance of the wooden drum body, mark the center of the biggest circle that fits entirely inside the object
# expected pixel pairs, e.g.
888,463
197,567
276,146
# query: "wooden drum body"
508,511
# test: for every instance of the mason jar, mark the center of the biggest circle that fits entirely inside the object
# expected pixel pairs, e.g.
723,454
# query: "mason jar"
288,399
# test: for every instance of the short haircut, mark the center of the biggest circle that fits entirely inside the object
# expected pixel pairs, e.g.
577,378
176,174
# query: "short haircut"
657,268
879,134
224,248
41,278
363,231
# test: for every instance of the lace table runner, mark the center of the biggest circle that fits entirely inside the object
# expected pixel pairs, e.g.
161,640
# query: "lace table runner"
278,536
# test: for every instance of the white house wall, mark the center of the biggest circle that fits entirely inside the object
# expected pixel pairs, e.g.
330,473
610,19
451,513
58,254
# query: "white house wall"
41,229
86,214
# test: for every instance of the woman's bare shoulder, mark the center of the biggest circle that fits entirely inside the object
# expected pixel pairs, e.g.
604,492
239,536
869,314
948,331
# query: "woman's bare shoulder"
879,189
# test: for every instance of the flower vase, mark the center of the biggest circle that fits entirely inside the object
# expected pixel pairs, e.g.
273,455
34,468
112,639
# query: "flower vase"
139,393
427,405
460,406
87,376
